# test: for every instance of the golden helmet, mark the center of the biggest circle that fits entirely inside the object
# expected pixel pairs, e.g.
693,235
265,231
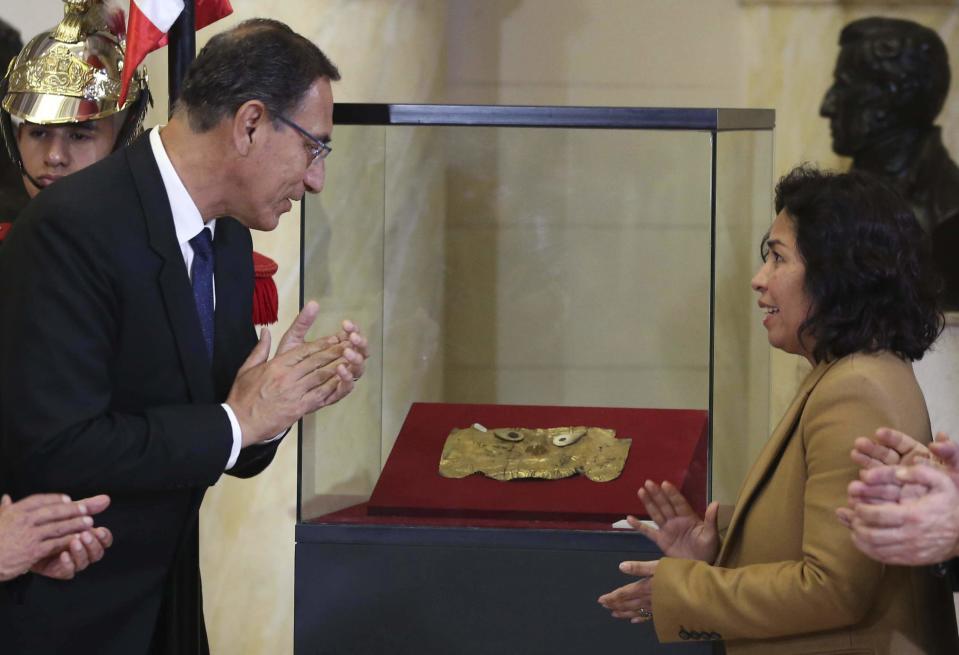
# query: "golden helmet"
72,73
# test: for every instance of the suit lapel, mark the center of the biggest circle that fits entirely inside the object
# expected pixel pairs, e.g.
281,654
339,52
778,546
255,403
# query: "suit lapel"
766,462
173,280
233,319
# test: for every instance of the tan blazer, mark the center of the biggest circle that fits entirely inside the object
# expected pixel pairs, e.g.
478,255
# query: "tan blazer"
788,578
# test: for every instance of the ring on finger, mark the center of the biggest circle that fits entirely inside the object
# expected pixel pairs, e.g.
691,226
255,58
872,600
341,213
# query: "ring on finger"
645,613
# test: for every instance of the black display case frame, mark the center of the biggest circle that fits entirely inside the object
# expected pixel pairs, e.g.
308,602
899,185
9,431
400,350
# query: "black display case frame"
367,587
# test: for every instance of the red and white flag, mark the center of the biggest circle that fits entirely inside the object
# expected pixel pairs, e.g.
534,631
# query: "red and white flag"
150,20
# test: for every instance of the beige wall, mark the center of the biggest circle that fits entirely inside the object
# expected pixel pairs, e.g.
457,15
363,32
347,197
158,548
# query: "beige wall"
595,52
577,52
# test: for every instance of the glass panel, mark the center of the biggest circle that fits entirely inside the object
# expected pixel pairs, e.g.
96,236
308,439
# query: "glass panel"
741,361
506,265
343,271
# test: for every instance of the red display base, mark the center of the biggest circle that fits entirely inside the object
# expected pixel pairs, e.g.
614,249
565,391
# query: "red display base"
668,444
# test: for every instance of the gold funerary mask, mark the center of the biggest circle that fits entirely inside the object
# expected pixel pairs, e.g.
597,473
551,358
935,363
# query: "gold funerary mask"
542,453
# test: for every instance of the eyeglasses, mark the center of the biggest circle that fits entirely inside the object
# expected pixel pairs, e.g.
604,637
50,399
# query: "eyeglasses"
318,149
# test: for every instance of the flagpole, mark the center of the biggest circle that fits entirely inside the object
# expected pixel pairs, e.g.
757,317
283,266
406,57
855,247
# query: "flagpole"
181,49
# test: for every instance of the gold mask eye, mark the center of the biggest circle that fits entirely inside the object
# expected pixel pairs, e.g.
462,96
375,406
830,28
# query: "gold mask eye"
567,437
508,435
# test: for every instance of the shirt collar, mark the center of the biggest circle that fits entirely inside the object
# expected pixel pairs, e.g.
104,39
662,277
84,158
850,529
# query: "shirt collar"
186,216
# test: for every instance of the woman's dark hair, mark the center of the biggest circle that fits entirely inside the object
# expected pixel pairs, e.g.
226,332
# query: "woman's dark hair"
869,271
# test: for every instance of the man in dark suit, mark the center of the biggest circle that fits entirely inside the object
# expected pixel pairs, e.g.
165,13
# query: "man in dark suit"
128,362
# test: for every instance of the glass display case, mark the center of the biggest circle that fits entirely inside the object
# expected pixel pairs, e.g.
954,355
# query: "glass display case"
534,266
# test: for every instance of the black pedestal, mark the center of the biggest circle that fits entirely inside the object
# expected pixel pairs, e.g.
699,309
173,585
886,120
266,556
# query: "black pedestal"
464,591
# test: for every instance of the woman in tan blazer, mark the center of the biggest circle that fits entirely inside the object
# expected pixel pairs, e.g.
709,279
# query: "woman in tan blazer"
846,283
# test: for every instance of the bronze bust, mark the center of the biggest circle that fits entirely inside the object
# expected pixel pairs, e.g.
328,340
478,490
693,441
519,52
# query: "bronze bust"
890,83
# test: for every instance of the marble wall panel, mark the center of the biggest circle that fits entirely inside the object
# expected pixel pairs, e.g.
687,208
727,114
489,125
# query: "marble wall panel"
415,295
938,374
571,232
343,246
664,386
638,53
31,18
592,52
557,319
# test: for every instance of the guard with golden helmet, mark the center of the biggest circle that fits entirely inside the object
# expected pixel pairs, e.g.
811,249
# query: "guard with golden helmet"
59,111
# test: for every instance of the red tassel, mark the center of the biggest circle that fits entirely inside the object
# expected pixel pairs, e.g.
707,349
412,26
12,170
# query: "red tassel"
4,230
266,301
117,21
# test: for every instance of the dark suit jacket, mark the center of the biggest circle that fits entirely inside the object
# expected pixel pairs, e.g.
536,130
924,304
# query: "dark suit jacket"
106,387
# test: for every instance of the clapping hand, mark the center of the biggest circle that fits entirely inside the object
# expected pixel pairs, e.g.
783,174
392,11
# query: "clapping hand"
633,601
904,508
270,394
679,531
50,535
945,452
888,448
349,341
919,528
881,456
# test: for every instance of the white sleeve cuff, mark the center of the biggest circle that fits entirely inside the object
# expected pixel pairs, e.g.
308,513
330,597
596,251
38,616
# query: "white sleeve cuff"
279,436
237,437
